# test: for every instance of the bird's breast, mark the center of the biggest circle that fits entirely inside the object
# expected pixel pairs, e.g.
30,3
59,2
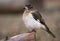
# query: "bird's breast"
30,21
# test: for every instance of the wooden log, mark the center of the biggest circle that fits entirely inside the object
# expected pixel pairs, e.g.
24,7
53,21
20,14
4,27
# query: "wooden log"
23,37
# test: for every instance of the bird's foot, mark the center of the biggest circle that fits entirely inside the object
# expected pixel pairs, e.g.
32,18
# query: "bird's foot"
32,31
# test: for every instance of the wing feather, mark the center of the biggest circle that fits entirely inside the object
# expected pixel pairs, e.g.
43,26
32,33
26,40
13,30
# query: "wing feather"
37,16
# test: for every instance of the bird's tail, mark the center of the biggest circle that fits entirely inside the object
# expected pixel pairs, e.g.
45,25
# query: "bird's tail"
47,29
51,33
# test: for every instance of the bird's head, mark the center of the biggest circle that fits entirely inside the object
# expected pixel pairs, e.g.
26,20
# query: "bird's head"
28,7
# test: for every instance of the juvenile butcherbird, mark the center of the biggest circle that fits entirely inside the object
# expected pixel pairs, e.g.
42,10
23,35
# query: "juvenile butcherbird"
33,20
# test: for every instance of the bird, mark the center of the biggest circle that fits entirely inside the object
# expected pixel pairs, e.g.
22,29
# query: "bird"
33,20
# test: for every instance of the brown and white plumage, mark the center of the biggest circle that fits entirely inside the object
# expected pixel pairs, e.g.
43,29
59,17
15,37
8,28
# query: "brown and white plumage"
33,20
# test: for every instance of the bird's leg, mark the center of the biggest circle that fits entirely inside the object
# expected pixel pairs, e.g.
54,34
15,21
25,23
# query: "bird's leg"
33,30
6,38
34,34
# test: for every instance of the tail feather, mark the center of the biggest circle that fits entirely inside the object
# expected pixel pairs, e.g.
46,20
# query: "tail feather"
51,33
47,29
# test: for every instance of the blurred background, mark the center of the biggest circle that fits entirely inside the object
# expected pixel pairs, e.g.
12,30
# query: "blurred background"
11,22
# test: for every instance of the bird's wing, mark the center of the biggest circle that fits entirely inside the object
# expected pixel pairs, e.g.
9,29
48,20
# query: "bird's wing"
37,16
